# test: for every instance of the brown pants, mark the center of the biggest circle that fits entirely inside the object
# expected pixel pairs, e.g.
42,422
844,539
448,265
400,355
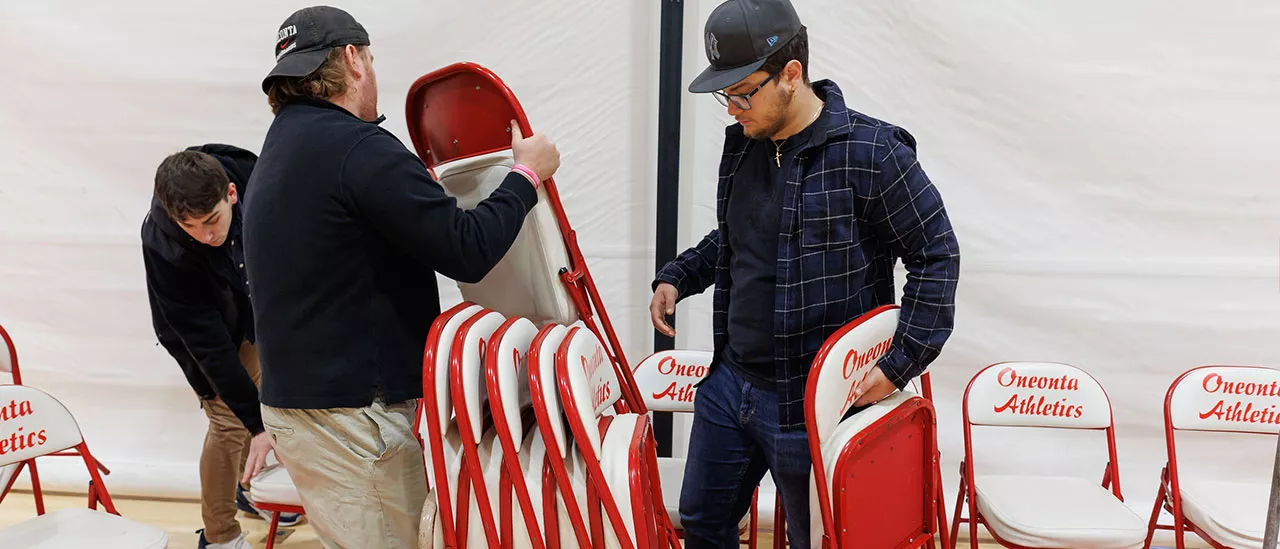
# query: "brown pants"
226,448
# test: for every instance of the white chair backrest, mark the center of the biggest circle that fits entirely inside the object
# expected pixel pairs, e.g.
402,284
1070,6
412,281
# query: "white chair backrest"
526,282
843,361
512,364
546,366
1227,398
33,424
665,379
469,347
444,347
593,383
1037,394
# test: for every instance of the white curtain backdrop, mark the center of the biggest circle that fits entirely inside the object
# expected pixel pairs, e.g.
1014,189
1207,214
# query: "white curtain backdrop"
1107,167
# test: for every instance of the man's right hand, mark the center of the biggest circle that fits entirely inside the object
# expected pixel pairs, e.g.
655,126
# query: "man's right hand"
536,152
662,306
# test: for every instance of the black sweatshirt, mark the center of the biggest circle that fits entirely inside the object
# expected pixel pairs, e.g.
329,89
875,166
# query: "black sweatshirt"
344,233
200,307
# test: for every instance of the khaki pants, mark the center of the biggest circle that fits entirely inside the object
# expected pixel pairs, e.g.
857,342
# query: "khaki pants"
359,472
226,448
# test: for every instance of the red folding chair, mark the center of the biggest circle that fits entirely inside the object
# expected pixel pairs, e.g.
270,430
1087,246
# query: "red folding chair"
666,381
525,467
9,472
34,424
875,474
442,442
481,461
1043,510
1221,399
459,120
623,485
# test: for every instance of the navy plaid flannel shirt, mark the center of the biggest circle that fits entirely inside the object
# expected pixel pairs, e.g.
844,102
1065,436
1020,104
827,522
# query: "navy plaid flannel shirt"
856,201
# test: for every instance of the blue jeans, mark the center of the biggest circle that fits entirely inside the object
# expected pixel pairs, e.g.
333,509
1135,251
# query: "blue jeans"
735,439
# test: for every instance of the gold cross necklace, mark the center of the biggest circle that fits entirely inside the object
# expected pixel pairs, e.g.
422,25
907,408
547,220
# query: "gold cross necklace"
777,155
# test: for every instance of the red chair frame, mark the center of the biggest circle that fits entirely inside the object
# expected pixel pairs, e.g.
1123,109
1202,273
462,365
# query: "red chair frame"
1169,482
887,431
37,491
968,492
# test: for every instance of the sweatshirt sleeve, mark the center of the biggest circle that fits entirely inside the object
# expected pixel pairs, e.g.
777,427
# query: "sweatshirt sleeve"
187,305
393,190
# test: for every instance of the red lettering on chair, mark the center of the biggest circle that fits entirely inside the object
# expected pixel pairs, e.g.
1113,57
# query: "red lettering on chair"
684,394
668,366
1214,383
15,410
592,363
1035,406
19,440
600,394
1242,412
1009,377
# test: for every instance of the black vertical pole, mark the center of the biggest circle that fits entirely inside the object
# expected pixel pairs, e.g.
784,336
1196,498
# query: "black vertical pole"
669,88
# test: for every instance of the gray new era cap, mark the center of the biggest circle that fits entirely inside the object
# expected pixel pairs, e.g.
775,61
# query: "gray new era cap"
740,36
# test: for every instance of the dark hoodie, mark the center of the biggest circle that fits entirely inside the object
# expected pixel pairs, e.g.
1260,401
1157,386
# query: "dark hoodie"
199,296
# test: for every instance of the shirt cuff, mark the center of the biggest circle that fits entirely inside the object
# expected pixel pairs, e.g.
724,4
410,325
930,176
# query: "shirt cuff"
896,366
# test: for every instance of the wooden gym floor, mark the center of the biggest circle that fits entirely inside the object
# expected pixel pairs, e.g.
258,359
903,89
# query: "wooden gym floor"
181,518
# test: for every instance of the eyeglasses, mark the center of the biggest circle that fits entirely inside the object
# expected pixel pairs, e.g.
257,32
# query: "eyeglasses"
742,101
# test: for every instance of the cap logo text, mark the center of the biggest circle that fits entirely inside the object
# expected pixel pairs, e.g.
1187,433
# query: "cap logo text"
772,40
713,47
286,32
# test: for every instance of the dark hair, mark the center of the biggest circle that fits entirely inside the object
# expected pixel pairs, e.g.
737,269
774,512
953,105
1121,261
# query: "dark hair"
327,81
795,49
190,184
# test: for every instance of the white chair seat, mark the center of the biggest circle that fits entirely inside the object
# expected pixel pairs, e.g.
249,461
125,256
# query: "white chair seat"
1034,511
1232,513
79,528
274,485
526,282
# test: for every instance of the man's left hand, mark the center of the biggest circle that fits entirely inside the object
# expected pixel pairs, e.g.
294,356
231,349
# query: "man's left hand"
874,387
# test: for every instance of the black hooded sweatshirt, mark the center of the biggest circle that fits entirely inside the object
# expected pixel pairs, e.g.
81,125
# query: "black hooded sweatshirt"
199,295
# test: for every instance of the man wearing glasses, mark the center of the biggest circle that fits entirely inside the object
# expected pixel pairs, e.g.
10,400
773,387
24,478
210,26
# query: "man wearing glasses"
816,202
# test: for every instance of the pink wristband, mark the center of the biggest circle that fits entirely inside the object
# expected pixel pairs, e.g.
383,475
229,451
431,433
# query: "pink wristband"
527,173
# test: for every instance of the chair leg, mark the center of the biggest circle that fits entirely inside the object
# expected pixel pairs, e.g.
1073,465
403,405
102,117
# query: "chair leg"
955,522
779,523
271,534
1155,512
942,507
35,486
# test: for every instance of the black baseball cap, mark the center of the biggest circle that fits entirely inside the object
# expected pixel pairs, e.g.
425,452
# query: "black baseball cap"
740,36
305,38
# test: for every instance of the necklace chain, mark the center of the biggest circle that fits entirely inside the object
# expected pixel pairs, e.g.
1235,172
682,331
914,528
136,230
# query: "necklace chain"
777,155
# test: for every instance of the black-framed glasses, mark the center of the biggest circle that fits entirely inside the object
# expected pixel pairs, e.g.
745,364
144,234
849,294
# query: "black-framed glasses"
742,101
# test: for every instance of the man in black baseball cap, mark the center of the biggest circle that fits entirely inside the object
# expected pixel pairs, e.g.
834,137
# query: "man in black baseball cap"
346,235
819,203
306,37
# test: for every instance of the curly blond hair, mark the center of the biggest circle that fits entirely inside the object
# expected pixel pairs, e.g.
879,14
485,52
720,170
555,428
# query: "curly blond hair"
325,82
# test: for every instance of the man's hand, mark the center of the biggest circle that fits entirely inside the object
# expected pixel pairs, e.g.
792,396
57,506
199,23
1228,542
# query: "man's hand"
259,449
874,387
663,305
536,151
